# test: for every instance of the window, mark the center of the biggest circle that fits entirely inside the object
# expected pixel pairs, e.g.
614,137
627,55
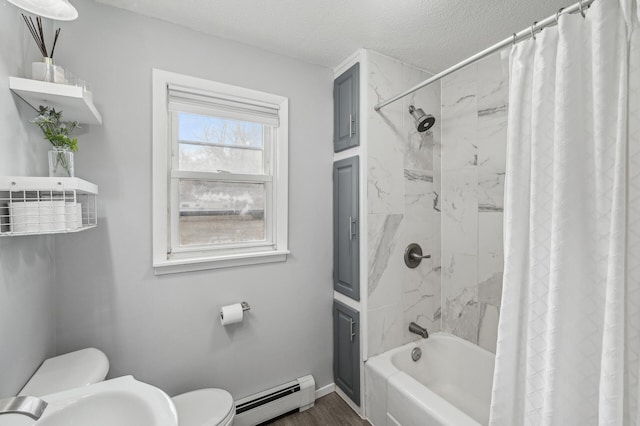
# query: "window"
219,174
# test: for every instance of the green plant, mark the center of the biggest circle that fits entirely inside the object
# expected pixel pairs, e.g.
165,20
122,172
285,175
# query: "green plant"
57,132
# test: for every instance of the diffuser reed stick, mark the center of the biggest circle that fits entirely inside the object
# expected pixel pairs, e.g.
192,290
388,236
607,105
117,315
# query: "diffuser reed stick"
35,35
41,33
55,41
37,32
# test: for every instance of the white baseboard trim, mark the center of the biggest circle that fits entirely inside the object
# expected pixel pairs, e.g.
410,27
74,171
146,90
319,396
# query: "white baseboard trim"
325,390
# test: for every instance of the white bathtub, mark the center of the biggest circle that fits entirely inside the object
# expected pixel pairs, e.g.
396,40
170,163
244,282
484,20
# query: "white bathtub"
449,385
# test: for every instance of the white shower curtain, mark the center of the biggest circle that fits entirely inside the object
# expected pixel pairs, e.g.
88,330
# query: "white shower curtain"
569,332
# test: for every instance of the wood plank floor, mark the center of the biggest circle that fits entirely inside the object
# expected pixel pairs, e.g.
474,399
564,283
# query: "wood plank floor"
330,410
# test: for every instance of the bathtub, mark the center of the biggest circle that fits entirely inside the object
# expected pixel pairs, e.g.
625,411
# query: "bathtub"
449,385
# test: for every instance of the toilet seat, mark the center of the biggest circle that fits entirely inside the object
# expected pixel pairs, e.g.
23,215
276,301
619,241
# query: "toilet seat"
205,407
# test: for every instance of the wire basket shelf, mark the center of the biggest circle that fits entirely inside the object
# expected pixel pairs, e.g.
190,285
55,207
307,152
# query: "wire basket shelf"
34,205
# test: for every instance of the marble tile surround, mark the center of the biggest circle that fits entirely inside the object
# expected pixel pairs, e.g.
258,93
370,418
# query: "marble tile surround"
402,206
473,157
443,190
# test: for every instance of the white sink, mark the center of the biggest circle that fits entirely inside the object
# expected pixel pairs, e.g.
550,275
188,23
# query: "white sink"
118,402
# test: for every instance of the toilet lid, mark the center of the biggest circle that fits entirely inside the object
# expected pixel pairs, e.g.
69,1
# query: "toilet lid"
204,407
68,371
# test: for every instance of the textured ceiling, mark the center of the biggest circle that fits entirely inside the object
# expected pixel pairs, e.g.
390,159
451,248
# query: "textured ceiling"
432,34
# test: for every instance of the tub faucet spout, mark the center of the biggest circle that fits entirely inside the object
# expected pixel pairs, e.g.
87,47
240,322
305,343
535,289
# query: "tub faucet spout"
420,331
26,405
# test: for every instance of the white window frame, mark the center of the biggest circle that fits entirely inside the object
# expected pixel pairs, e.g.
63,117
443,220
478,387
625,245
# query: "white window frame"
163,185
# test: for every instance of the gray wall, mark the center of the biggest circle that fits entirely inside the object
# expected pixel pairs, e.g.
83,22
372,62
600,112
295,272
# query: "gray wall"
26,263
165,330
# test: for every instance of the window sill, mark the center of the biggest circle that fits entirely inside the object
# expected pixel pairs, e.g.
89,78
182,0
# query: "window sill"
200,264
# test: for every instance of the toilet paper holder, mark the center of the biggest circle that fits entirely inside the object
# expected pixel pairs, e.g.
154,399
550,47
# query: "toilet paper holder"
234,313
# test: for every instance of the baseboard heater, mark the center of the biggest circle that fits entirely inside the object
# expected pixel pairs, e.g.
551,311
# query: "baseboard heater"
297,395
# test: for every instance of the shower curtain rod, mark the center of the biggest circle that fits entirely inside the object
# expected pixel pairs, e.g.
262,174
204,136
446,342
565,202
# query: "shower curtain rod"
581,6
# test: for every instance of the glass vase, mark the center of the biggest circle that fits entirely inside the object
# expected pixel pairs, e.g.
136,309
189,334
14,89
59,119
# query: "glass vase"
61,162
47,71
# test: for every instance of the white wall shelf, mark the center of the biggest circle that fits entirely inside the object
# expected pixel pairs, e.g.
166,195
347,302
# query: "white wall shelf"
46,205
72,100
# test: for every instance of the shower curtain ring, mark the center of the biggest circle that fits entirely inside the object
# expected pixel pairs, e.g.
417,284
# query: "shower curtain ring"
558,15
533,33
514,39
581,9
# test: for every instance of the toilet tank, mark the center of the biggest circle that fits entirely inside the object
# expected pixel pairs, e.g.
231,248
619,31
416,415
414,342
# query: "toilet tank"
68,371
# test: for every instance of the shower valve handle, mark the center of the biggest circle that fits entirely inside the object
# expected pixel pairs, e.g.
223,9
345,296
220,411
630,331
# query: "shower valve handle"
413,255
417,256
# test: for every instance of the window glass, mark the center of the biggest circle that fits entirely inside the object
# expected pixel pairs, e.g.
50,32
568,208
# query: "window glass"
221,212
213,144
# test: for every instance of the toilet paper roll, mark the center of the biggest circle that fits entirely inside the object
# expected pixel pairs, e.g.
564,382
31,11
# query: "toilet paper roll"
52,215
231,314
73,213
24,216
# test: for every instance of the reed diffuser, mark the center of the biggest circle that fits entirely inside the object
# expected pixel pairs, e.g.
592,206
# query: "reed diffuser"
45,70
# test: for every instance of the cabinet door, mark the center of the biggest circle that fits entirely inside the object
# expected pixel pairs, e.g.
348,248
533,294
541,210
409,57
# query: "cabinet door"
346,109
346,350
346,247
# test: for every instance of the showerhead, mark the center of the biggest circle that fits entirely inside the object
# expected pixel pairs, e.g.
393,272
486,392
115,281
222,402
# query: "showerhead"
423,121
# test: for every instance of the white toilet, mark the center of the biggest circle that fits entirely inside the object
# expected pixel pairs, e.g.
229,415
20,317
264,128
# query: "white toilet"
203,407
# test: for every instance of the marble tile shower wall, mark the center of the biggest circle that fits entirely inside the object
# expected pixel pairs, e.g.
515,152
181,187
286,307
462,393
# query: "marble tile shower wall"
401,206
474,126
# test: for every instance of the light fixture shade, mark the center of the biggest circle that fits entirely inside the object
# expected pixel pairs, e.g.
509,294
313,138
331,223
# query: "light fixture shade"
59,10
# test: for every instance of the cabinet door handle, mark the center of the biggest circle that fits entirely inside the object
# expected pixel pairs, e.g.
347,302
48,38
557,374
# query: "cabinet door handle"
352,230
352,333
352,121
